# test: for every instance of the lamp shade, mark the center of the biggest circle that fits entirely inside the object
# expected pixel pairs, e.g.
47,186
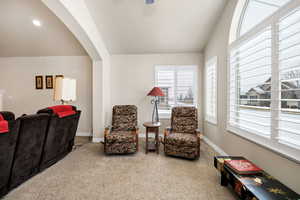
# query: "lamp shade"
65,89
156,92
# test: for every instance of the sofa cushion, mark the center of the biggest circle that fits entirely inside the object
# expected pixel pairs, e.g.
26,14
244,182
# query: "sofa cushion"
124,117
120,137
182,139
182,151
184,119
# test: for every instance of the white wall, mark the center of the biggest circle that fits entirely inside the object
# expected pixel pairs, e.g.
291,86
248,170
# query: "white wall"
285,170
132,77
77,18
17,78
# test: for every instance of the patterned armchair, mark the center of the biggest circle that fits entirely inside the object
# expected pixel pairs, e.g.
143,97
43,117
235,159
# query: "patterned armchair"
122,136
183,138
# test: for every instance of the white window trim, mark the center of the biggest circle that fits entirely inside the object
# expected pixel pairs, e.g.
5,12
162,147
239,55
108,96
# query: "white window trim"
167,114
212,119
284,149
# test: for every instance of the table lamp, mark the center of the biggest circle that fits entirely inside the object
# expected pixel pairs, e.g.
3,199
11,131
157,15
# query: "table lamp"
155,92
64,90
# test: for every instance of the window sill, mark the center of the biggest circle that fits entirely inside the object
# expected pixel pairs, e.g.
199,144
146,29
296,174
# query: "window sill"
280,149
212,122
164,115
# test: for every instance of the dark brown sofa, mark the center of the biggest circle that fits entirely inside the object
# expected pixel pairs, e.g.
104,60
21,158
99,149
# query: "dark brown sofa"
8,141
61,133
32,134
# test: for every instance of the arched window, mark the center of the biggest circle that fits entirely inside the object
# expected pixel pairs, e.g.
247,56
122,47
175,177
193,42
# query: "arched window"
264,75
255,11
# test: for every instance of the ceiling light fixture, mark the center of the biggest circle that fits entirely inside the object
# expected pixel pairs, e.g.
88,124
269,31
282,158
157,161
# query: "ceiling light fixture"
149,1
37,22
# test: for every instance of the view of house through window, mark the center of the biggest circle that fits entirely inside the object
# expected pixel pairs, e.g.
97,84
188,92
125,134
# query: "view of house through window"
250,84
179,86
264,91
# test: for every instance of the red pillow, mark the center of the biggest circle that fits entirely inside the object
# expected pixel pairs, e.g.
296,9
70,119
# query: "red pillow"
3,125
63,110
66,113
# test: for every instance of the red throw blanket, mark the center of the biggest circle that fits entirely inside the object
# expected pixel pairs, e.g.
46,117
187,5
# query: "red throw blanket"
63,110
3,125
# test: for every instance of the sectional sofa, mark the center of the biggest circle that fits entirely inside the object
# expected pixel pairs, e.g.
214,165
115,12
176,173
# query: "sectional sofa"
32,143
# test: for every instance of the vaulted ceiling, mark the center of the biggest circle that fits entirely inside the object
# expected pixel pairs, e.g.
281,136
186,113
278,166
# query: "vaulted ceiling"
131,26
127,26
19,37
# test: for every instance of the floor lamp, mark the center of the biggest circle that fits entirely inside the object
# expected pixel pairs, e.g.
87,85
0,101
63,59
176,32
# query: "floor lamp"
156,93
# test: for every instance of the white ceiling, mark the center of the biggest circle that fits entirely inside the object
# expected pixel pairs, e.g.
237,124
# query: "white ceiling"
168,26
19,37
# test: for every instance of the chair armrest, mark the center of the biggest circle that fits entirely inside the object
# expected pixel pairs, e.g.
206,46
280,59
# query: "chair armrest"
199,134
108,127
107,130
167,131
135,131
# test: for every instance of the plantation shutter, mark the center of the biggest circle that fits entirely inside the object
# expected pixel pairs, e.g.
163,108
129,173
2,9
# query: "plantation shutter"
289,73
250,84
211,91
178,84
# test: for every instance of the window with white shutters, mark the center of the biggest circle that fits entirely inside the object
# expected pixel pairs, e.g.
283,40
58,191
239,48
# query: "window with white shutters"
250,84
289,70
264,82
211,91
179,84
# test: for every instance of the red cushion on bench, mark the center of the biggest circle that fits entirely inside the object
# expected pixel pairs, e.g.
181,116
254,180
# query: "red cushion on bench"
3,125
63,110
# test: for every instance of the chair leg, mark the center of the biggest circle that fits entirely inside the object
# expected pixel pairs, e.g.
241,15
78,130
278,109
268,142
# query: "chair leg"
199,145
104,144
137,142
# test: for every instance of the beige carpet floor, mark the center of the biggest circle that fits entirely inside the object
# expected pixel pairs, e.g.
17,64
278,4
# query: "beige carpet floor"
87,174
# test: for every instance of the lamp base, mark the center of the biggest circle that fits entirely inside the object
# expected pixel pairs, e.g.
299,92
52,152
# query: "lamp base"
155,116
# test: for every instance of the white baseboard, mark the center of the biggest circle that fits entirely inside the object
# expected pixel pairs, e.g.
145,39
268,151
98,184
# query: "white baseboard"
84,134
214,146
97,140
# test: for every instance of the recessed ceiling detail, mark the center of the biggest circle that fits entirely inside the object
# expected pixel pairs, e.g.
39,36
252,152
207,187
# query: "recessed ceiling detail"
37,22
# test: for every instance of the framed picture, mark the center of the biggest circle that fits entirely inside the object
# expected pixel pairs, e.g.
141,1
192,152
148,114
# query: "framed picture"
39,82
49,82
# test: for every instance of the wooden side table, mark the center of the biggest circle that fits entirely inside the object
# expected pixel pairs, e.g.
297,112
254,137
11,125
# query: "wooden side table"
152,128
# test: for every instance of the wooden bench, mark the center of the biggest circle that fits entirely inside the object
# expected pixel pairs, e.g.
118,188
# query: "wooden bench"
253,187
